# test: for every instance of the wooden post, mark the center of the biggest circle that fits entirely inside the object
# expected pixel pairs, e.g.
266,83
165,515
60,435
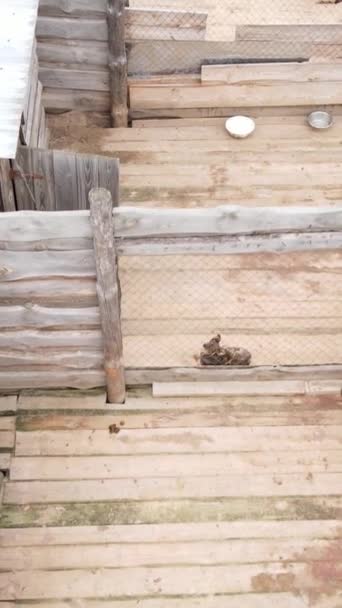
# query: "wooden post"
117,62
7,195
101,216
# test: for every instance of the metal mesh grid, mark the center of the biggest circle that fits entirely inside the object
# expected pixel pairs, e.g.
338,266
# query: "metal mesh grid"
234,30
286,310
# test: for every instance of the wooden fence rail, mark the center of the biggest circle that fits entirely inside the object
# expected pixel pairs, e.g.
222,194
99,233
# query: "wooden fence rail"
59,297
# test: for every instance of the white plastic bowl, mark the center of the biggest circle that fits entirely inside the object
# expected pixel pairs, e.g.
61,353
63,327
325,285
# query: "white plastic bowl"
240,126
320,120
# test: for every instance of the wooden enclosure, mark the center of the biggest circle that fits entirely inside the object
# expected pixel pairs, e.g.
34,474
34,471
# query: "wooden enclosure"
264,278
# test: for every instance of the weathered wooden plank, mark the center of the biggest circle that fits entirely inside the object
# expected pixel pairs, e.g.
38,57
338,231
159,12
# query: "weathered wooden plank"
108,290
35,340
192,374
174,465
34,226
296,131
57,51
75,293
156,97
270,73
82,379
36,115
250,600
6,440
295,484
131,555
7,193
167,581
281,387
8,403
5,460
7,423
90,28
117,62
142,512
137,222
149,24
154,533
64,166
144,222
70,78
139,403
38,317
161,441
202,417
23,265
73,359
88,101
72,8
23,179
62,400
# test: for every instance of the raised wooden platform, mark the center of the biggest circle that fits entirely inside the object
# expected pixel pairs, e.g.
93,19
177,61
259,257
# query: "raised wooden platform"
284,163
196,503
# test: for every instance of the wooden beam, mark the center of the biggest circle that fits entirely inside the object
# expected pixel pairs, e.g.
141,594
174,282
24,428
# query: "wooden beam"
108,292
117,62
281,387
145,223
231,245
141,376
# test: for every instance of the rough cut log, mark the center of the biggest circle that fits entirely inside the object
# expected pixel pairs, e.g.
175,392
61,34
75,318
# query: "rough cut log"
117,62
140,376
108,292
32,227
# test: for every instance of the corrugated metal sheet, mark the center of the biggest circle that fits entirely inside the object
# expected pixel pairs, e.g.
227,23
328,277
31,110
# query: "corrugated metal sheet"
17,26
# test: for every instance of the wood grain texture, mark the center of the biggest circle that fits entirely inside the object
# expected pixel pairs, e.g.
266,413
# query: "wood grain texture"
164,441
108,291
117,62
222,95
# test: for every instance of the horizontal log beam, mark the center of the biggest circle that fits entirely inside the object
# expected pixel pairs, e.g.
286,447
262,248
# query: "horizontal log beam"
269,243
133,222
141,376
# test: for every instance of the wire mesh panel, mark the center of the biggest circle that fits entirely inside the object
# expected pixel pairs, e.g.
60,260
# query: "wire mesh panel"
247,30
285,309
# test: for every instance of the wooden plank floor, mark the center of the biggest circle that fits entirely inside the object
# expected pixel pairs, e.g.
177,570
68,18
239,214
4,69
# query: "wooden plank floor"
284,163
222,502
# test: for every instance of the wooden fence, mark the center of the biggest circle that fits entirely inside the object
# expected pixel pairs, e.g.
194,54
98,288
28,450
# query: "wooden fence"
59,297
50,180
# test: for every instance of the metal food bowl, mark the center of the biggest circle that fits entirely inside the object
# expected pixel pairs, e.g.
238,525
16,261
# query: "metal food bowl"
240,127
320,120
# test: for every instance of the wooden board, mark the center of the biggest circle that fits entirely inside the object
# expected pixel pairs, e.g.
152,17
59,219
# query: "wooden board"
60,180
162,441
305,93
269,73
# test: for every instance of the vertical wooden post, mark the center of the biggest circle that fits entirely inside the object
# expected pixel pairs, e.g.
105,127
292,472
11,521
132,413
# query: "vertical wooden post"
117,62
101,216
7,194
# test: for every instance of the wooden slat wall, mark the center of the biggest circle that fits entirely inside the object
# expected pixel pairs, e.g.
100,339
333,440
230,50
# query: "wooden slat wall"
50,180
285,308
50,332
33,128
263,84
73,47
